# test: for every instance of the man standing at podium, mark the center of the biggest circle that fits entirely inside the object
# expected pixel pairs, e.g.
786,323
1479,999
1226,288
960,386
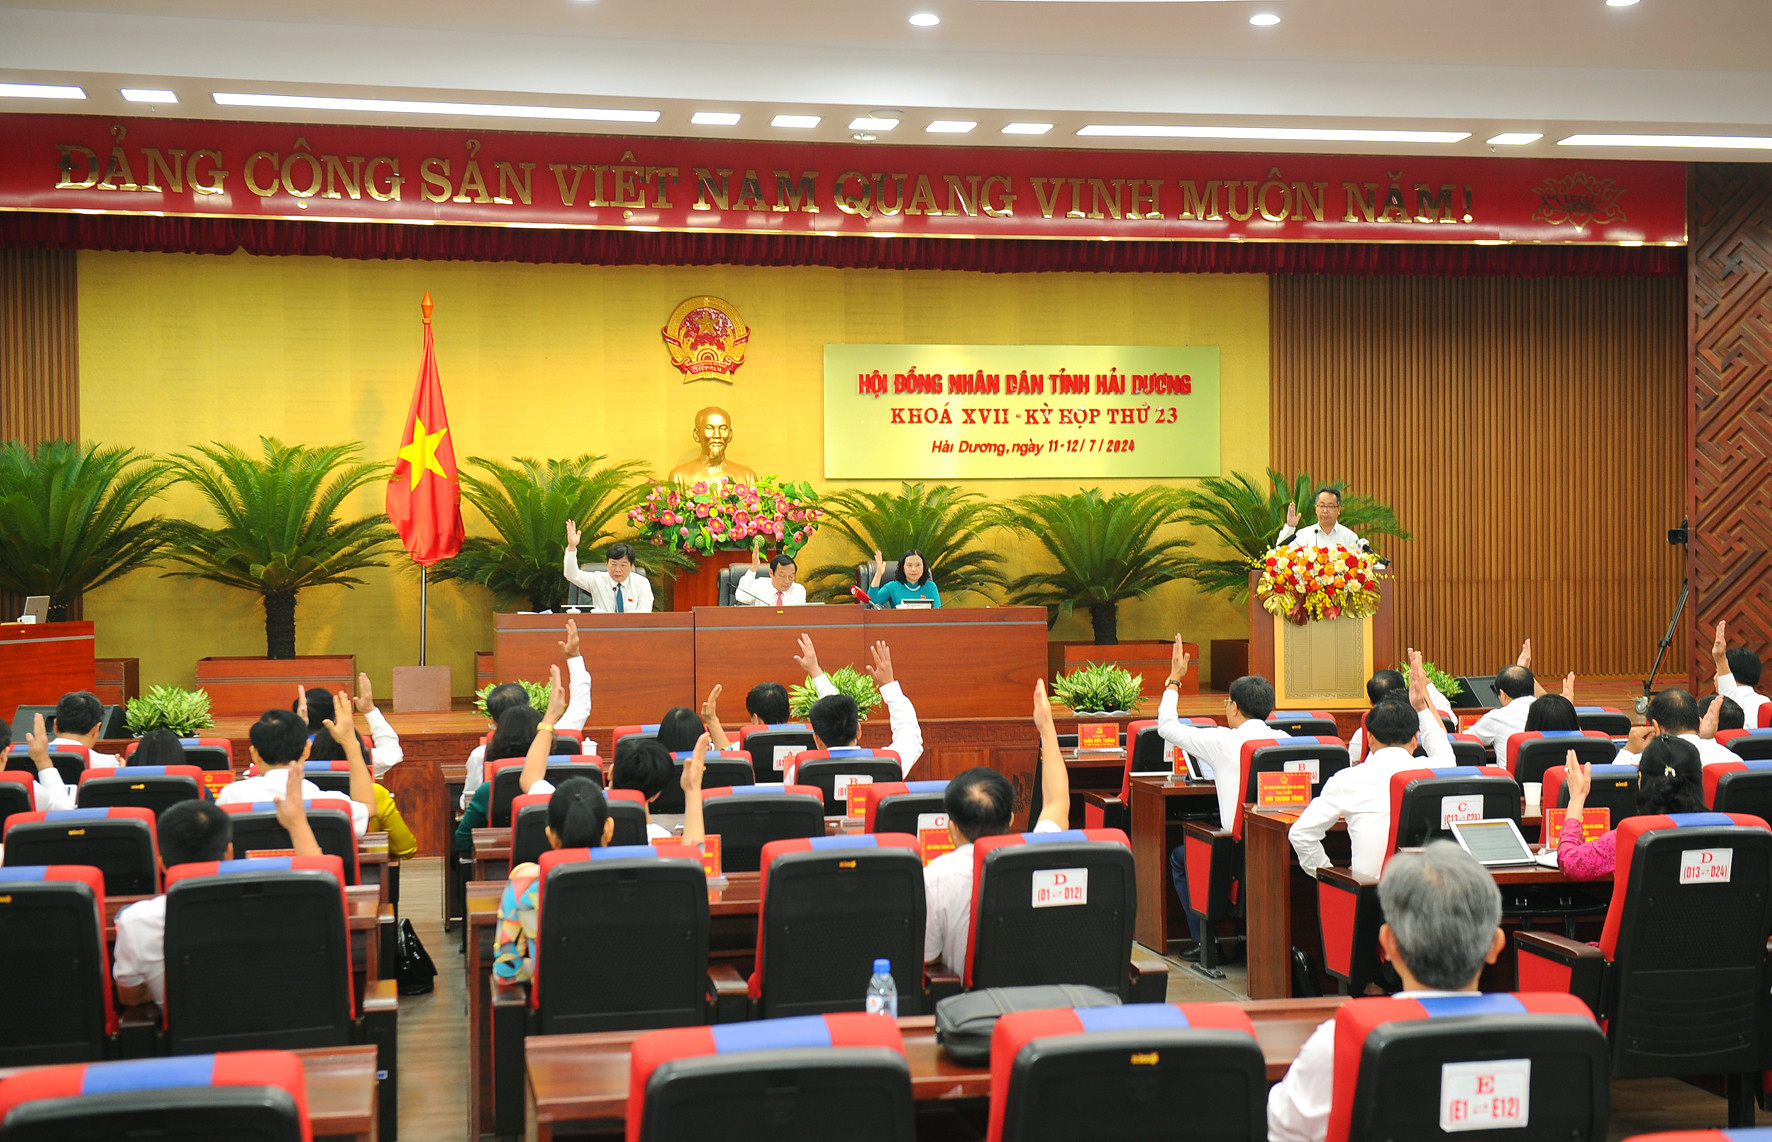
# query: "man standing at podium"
1327,531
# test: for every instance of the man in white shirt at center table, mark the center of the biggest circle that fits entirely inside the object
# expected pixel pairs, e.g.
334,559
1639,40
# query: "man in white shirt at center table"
1362,793
79,718
615,591
1517,688
1738,672
777,589
280,738
835,725
1442,916
1675,712
1326,532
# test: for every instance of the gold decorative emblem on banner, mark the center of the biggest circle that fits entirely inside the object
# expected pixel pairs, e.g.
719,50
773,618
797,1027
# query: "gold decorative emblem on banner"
1578,199
706,338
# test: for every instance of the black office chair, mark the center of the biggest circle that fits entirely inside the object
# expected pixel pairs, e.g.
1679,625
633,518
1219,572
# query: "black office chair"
257,830
728,584
1020,936
864,573
821,769
724,768
153,787
747,817
59,1011
258,1097
119,842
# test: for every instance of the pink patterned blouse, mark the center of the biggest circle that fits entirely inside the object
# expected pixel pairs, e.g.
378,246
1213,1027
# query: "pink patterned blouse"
1592,860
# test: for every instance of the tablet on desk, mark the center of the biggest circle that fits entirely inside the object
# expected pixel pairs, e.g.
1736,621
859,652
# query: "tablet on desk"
1495,844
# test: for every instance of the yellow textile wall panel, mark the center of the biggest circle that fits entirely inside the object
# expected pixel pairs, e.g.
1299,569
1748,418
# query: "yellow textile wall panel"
39,346
551,360
1529,433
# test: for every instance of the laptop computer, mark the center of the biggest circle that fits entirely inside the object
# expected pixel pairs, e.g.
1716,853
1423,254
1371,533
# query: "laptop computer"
1496,844
36,609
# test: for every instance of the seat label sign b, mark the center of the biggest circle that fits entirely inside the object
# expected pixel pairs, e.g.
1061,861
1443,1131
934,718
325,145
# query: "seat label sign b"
1489,1095
1060,887
1706,866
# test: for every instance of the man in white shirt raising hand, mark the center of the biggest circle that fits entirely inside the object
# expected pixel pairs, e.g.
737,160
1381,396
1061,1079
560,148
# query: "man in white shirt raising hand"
835,721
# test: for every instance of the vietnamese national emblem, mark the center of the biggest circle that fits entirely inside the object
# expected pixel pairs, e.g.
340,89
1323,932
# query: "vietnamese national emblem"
706,339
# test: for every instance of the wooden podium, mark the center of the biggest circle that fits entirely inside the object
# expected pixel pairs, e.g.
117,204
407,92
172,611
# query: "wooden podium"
1319,663
39,662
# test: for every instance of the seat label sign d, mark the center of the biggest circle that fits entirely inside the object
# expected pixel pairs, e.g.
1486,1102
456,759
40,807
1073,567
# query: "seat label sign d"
1706,866
1060,887
1491,1095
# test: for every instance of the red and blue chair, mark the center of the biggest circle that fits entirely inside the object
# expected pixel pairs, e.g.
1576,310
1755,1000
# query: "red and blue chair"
119,842
894,806
251,1096
506,773
1528,755
821,768
1054,907
774,746
1609,720
1740,787
1749,745
69,760
257,831
724,768
204,753
747,817
60,1010
18,793
153,787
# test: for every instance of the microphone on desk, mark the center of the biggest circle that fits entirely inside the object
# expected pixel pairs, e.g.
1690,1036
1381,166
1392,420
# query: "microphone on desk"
861,597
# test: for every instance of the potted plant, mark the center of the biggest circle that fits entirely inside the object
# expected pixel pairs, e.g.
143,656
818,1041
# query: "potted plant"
527,503
943,522
183,712
1099,688
71,518
848,680
538,695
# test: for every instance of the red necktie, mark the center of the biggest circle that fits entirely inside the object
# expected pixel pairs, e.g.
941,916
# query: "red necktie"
778,599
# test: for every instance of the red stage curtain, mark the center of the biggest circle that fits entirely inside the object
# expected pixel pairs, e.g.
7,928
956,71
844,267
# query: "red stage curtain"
27,230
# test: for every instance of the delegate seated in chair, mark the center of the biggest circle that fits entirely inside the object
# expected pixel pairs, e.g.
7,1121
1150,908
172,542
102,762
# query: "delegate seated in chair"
512,696
280,739
53,791
1670,780
1442,925
980,803
191,832
1385,682
769,737
835,721
1362,793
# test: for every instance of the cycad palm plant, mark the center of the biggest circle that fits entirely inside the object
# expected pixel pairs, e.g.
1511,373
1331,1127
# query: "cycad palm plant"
1247,517
69,518
280,530
527,502
942,522
1106,548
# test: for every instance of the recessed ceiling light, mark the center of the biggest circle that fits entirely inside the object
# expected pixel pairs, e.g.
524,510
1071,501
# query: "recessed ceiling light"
40,91
800,121
715,118
925,20
1620,3
949,127
863,137
149,95
871,123
1288,134
419,107
1720,142
1515,138
1264,19
1027,128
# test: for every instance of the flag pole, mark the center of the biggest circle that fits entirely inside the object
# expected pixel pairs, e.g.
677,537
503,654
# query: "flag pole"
424,584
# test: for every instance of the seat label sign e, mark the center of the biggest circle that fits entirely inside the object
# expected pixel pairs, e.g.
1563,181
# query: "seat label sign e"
1706,866
1490,1095
1456,810
1060,887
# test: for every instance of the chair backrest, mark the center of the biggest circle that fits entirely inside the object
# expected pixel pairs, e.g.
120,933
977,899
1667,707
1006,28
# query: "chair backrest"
827,769
1322,757
119,842
1533,1063
1304,723
204,753
747,817
18,794
69,760
329,776
1749,745
1764,720
58,1008
1528,755
864,573
1740,787
1146,751
1052,908
726,767
1614,789
1681,1004
233,925
154,787
728,584
1609,720
1467,749
245,1096
771,747
257,832
505,773
1127,1072
894,806
827,908
529,822
773,1080
622,939
649,730
1425,802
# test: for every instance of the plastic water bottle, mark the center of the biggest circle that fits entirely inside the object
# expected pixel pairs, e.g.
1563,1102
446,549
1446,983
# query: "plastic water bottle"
883,990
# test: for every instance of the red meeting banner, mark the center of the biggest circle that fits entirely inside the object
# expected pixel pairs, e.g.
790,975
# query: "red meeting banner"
309,172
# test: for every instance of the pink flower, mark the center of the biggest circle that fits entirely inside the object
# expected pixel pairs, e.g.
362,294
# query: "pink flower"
672,500
701,511
741,517
799,537
682,531
701,488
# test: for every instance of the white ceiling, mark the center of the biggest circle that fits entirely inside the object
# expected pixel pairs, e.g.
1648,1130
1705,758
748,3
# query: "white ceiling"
1690,67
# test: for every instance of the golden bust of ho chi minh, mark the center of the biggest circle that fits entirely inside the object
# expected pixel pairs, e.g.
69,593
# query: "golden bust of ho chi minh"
713,431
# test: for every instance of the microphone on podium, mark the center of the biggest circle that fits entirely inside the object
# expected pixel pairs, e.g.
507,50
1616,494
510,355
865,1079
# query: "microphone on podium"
861,597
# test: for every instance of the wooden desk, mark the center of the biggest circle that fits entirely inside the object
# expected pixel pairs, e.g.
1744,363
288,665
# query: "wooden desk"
341,1090
661,646
39,662
964,662
738,647
583,1079
1159,806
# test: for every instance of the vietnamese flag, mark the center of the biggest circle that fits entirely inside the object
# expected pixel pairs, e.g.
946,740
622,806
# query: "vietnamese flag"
424,495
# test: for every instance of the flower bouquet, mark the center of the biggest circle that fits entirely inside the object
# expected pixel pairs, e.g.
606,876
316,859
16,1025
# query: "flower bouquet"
1304,584
724,516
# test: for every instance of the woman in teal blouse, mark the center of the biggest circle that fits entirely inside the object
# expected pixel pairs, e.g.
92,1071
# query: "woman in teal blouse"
913,581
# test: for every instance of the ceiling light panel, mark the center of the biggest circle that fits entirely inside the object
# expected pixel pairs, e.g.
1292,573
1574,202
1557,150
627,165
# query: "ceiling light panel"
1515,138
715,118
1264,19
420,107
950,127
871,123
1282,134
149,95
1027,128
40,91
925,20
1719,142
799,122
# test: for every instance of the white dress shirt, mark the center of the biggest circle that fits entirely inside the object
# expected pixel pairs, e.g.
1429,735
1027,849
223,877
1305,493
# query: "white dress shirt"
1362,794
140,955
270,786
1710,752
578,708
947,894
1749,699
95,759
1298,1105
1494,728
1217,747
636,591
756,590
1314,536
52,792
1435,699
384,750
907,735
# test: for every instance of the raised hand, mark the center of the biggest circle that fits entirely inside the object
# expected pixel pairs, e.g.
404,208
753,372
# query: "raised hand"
1042,708
1292,515
301,702
881,670
1417,681
710,709
693,767
37,742
1569,687
1719,651
1178,660
342,725
1707,725
569,648
292,810
365,695
807,659
556,697
1578,779
572,536
1525,658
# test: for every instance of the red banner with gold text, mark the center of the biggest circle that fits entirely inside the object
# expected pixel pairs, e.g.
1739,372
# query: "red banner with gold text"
490,178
